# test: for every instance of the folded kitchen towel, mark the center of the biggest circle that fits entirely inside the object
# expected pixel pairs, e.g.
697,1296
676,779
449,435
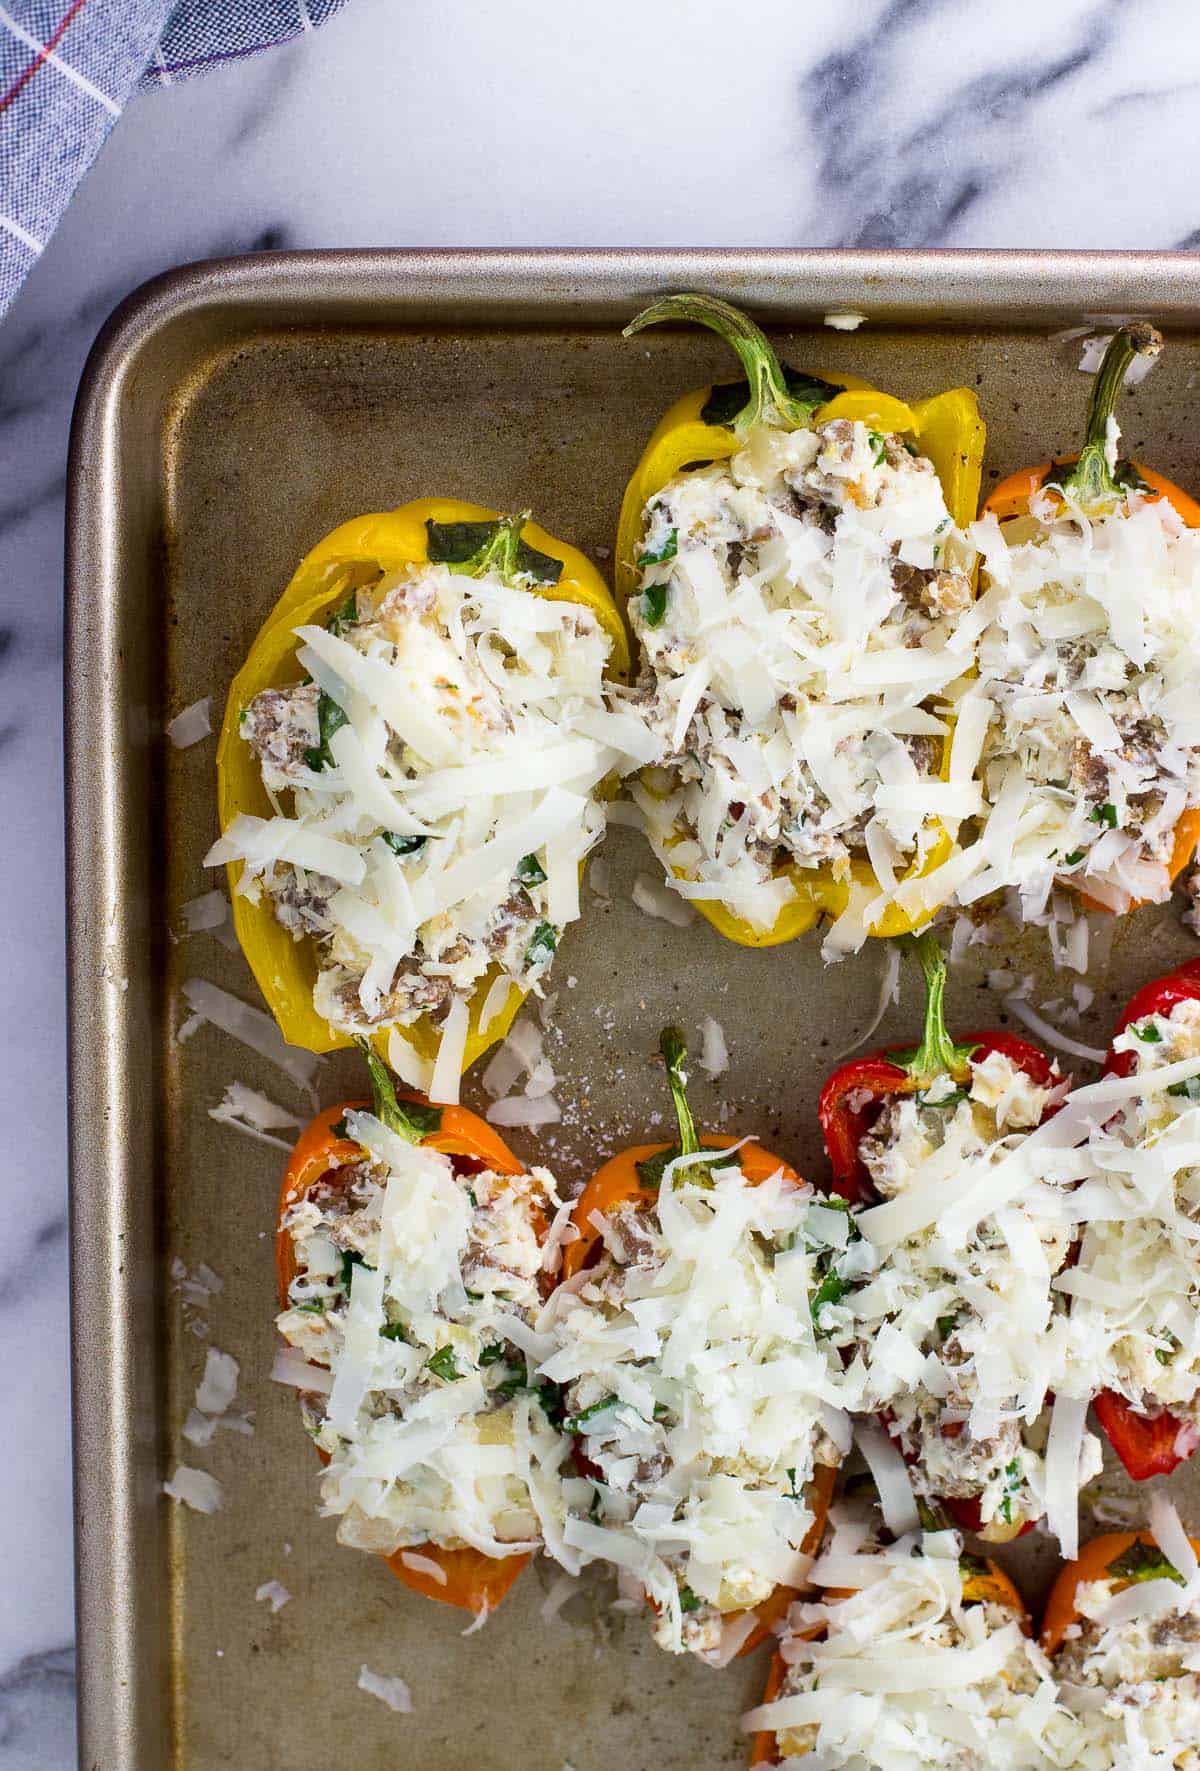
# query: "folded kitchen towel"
67,70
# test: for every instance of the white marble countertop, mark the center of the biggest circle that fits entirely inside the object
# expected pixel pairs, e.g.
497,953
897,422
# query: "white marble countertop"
444,122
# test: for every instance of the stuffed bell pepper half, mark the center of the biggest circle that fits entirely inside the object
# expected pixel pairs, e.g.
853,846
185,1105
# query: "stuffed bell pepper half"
915,1655
792,555
1084,718
413,766
943,1302
410,1264
700,1400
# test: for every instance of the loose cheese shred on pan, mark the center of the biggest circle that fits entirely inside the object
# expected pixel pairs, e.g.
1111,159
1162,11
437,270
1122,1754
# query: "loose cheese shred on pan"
393,1691
192,724
478,1621
275,1594
218,1387
251,1113
889,990
714,1053
530,1111
209,911
658,900
208,1002
1049,1035
196,1489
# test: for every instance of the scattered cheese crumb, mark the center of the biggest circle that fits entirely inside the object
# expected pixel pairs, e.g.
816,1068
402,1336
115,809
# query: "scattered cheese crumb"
195,1488
845,322
192,724
714,1053
218,1387
656,899
274,1593
392,1691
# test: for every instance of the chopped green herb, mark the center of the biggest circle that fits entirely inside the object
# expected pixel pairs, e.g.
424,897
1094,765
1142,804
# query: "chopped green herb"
393,1331
475,1296
831,1290
443,1364
654,604
576,1422
1105,814
1074,858
661,1411
330,719
1187,1090
314,1308
946,1326
350,1259
340,1129
688,1600
403,845
344,616
1143,1561
530,871
792,1492
492,1355
878,444
541,948
549,1397
667,551
1148,1033
509,1386
971,1567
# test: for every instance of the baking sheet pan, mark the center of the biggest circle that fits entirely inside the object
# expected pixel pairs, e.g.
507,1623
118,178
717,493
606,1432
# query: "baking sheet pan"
230,415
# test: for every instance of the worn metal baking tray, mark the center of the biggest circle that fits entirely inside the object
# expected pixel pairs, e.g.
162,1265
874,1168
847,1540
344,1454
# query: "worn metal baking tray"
230,414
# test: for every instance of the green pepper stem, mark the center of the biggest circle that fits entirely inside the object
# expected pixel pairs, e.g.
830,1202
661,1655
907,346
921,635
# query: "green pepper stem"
769,402
674,1050
388,1110
937,1055
1091,483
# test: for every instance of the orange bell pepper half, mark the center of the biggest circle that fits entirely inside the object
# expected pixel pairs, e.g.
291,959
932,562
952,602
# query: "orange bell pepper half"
984,1584
473,1581
1098,490
1120,1556
619,1181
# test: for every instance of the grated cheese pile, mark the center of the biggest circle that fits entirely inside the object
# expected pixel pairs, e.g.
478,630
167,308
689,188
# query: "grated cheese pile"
443,765
409,1329
699,1396
907,1671
799,614
1135,1291
1087,665
1129,1668
943,1300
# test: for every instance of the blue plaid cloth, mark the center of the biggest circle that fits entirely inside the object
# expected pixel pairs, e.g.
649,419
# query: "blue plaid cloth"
67,70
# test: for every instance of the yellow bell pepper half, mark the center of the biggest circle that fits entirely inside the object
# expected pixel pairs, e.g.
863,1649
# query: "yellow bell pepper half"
357,553
947,428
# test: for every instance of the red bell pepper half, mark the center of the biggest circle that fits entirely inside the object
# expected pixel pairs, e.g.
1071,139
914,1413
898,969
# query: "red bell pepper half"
1148,1444
854,1095
851,1100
